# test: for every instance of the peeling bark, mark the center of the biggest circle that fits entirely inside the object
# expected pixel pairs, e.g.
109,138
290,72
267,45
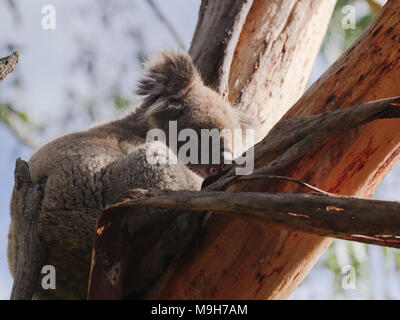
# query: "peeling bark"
275,55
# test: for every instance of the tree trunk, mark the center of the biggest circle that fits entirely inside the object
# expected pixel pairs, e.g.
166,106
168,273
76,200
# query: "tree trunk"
258,54
271,62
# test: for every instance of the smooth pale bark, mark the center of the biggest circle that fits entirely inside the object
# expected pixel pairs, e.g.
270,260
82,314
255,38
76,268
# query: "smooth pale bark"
260,53
238,260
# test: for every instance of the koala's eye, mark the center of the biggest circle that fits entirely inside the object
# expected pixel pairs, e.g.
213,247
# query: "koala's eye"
172,101
174,111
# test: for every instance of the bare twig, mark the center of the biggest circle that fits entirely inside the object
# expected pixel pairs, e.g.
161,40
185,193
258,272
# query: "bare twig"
8,64
302,183
167,23
350,218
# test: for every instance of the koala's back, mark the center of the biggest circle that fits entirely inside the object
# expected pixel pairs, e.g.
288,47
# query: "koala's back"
71,168
84,172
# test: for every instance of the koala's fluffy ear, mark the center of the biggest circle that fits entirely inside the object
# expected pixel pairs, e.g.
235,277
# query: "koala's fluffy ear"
167,75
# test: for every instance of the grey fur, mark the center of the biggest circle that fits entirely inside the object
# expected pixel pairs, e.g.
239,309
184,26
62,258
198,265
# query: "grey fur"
88,170
167,75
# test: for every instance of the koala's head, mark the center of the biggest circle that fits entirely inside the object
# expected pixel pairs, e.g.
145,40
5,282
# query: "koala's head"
176,96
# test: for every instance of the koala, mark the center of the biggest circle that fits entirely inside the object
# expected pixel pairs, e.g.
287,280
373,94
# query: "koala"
86,171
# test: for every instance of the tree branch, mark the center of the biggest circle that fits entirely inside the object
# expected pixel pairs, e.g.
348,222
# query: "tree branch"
291,139
28,198
356,219
8,64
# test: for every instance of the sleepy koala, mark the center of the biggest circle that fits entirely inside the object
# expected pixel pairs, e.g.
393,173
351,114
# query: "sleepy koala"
85,171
